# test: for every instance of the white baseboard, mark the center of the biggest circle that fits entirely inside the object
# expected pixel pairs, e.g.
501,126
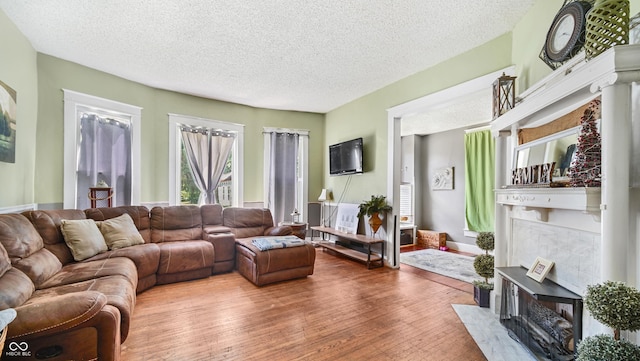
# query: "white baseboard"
464,247
18,208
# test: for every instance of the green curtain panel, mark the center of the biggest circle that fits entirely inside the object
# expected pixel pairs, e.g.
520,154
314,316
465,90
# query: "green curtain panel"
479,161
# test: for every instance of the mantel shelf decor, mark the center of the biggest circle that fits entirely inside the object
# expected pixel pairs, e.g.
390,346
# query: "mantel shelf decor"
541,200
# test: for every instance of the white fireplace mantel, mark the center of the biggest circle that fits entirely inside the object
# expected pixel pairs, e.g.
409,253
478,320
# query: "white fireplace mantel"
542,200
585,251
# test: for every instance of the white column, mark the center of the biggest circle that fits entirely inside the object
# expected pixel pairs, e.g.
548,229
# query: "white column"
501,231
616,155
501,213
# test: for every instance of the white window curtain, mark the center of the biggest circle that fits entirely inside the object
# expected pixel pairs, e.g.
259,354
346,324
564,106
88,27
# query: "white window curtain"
207,152
104,155
282,174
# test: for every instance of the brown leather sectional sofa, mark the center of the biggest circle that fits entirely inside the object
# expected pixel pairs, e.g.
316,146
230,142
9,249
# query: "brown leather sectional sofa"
81,310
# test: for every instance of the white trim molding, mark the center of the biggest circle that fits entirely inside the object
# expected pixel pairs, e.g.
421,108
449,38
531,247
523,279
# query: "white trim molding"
72,102
174,154
18,208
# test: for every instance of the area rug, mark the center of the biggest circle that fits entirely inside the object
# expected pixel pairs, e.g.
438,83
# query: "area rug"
445,263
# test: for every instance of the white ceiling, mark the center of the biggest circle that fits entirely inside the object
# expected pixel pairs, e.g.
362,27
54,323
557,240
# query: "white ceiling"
305,55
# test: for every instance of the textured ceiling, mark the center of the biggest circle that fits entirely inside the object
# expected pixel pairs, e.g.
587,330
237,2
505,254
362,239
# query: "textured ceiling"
302,55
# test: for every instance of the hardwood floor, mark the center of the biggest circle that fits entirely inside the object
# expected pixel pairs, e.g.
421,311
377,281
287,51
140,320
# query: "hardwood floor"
342,312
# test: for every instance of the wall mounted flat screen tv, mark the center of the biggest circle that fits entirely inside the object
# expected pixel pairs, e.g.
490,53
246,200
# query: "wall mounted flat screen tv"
346,157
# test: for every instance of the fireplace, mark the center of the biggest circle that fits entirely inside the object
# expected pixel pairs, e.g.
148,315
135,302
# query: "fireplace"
536,315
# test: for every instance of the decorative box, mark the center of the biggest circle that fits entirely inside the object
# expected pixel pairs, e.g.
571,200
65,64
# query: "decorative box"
432,239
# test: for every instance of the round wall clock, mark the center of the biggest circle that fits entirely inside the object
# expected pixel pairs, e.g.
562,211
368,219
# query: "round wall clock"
566,35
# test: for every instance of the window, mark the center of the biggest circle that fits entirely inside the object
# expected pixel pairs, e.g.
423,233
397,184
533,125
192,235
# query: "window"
286,172
200,134
101,143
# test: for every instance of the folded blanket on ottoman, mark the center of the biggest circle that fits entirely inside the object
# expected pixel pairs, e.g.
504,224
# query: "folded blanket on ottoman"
267,243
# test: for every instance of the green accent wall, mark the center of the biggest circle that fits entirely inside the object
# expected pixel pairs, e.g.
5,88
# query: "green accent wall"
56,74
367,116
36,177
18,70
529,37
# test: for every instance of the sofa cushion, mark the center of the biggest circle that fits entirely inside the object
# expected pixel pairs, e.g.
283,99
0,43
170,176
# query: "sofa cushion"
83,238
15,286
18,236
15,289
40,266
118,289
5,262
211,214
63,312
23,246
120,232
247,222
184,256
145,256
47,223
176,223
139,214
91,269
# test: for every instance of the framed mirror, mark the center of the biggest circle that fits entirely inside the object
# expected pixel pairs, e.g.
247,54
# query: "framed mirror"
559,148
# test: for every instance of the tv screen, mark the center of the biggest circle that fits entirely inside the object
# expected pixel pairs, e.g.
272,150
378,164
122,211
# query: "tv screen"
346,157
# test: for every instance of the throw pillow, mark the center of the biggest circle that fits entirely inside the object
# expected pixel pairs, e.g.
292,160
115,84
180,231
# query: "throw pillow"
120,232
83,238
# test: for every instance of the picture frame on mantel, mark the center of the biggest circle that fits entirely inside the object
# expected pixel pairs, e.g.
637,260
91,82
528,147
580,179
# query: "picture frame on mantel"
540,269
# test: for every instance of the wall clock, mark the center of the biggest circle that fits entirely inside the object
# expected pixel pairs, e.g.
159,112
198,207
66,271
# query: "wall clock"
566,34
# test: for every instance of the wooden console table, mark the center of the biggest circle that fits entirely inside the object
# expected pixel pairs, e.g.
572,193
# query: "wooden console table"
368,256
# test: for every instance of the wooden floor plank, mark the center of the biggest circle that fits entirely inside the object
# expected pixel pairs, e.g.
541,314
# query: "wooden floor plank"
342,312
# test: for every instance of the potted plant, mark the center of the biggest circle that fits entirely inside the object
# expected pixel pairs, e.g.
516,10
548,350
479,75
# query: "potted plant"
373,208
618,306
484,266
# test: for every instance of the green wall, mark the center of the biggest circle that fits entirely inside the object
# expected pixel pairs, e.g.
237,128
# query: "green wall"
38,79
56,74
18,70
367,116
529,36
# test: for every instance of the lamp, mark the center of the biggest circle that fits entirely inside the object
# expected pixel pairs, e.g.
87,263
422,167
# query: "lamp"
504,95
325,195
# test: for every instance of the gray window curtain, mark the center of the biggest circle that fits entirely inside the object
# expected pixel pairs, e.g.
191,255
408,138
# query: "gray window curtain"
207,152
104,155
283,175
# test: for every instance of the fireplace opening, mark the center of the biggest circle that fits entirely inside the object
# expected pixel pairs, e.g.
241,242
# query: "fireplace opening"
536,314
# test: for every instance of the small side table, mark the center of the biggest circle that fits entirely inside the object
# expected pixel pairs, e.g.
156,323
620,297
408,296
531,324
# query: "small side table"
299,228
100,196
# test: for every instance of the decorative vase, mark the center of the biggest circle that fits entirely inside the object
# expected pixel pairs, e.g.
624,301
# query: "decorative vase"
607,25
375,222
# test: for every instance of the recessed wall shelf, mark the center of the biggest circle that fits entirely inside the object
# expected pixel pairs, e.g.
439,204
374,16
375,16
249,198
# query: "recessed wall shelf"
541,200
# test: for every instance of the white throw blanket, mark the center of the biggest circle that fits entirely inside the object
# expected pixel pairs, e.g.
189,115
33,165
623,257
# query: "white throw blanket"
267,243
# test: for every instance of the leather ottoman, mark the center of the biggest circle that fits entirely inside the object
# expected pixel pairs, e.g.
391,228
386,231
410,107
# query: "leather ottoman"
275,265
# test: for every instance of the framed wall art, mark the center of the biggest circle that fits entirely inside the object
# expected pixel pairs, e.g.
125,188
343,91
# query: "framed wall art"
442,179
8,113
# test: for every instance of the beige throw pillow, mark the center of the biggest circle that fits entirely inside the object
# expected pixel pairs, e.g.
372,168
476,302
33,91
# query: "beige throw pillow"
120,232
83,238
